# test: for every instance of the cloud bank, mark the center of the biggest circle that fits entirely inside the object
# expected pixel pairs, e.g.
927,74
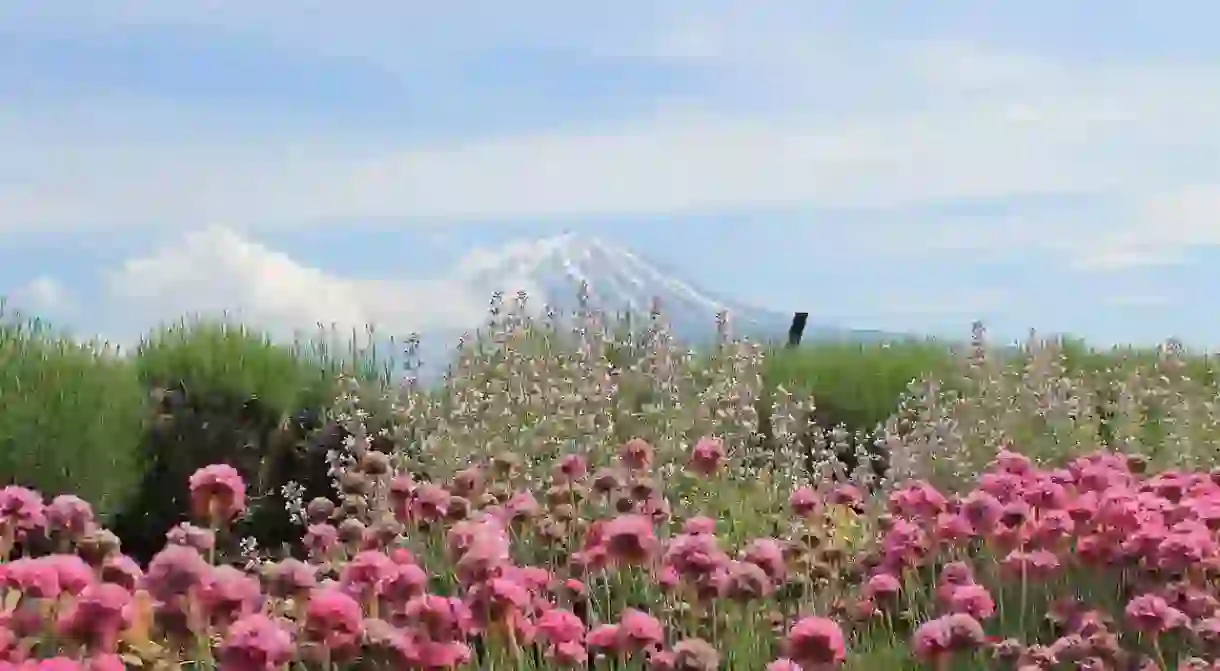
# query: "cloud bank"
792,122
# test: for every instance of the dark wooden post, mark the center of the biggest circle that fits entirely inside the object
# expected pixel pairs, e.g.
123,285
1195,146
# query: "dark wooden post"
798,328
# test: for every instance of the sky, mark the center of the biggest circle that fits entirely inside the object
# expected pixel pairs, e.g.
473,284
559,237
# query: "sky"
904,166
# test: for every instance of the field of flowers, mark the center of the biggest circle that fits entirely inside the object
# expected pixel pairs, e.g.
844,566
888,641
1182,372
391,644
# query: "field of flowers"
572,496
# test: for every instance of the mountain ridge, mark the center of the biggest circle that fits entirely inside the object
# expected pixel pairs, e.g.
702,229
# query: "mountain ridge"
550,270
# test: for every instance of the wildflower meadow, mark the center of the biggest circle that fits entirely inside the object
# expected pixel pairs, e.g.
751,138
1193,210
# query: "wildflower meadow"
579,491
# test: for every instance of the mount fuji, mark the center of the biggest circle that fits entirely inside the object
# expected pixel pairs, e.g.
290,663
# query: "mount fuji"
551,270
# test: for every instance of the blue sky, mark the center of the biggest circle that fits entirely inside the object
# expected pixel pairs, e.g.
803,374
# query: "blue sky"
884,165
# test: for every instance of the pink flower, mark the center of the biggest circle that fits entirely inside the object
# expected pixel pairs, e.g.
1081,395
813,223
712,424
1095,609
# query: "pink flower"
443,654
52,664
639,631
699,525
291,578
784,664
430,503
190,535
106,662
402,556
953,528
707,456
816,641
636,454
982,510
1150,613
572,467
122,570
320,540
568,654
35,578
21,510
947,634
767,554
558,625
661,660
70,515
401,492
97,617
1003,486
630,539
743,581
1045,494
667,578
218,493
1194,601
604,637
175,571
572,589
846,495
1036,565
694,557
334,620
956,573
74,574
804,501
695,654
405,582
482,548
364,576
1008,461
1184,548
917,500
522,506
227,594
973,600
1053,526
905,544
439,618
607,481
882,587
468,482
255,643
388,646
499,600
1208,630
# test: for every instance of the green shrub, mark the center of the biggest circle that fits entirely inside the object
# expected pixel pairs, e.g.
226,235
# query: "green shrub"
225,394
71,415
856,384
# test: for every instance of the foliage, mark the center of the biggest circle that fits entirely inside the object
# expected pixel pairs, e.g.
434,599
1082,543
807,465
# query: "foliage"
71,414
226,394
857,384
581,491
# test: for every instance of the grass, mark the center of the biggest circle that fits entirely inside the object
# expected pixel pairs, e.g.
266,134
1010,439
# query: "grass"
526,394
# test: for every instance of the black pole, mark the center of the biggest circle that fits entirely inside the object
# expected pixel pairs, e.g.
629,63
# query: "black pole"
798,328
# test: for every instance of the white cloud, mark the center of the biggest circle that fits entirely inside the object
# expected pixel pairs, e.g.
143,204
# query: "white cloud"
695,165
42,295
797,122
1167,224
220,271
1138,300
965,303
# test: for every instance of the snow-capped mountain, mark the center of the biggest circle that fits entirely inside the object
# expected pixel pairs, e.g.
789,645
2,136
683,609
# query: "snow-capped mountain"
552,269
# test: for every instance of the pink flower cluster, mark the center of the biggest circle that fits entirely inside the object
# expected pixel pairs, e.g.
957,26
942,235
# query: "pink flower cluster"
594,566
1031,529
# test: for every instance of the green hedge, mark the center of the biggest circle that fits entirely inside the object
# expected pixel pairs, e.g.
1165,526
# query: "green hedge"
853,383
125,431
71,415
229,394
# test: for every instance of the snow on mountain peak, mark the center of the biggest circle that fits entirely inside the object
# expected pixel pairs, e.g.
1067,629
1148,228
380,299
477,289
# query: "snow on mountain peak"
550,270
